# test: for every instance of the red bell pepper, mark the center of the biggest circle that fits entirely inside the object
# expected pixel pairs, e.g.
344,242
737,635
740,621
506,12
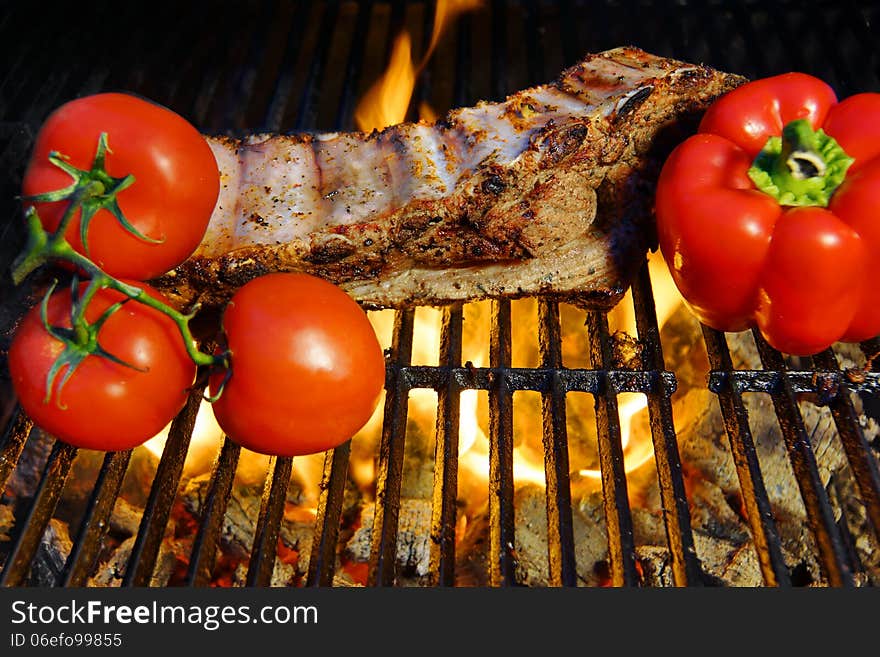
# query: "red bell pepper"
770,214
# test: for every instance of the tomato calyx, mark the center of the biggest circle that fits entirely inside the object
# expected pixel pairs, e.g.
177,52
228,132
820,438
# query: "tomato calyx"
80,340
803,167
91,190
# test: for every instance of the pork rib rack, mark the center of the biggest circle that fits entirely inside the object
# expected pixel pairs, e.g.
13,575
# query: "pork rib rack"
549,191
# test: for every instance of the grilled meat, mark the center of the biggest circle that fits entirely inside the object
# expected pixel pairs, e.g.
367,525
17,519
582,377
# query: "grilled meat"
549,191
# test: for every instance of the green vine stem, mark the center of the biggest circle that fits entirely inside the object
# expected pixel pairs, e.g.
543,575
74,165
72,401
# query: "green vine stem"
43,247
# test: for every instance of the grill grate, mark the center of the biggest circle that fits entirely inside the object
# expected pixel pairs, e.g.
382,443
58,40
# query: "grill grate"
262,68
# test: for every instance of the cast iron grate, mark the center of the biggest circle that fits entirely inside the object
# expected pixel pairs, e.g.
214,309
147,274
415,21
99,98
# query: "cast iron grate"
293,66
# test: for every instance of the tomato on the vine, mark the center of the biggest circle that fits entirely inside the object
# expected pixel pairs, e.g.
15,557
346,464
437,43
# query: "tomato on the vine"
104,405
307,368
175,188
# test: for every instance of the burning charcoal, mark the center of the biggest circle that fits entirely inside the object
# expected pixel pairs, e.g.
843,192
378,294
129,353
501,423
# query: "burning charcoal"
283,574
48,563
239,521
413,537
627,351
111,572
126,518
418,462
472,553
721,540
705,450
171,554
728,562
857,533
297,534
706,455
530,510
648,527
712,513
590,538
343,579
7,522
726,553
655,564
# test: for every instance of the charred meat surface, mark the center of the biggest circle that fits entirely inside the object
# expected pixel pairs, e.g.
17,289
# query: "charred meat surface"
549,191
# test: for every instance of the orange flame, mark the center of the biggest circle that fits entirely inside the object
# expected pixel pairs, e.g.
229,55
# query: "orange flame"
387,101
203,445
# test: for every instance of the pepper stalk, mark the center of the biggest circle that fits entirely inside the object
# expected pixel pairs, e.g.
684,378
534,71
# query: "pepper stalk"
803,167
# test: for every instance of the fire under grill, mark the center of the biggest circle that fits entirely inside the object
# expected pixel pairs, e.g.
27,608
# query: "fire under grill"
300,66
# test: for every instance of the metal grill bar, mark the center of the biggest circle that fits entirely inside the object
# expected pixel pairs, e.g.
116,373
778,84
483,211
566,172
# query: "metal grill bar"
14,439
499,50
819,511
852,555
37,519
540,379
443,514
685,567
195,80
560,533
265,547
800,381
201,560
307,115
502,563
322,562
569,39
858,452
353,68
751,482
166,481
618,517
390,471
280,97
37,94
251,49
16,62
462,90
96,519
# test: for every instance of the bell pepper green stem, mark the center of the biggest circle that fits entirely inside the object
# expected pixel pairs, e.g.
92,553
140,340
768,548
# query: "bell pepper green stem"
803,167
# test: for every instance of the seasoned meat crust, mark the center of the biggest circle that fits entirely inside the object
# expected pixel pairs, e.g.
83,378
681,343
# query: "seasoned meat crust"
549,191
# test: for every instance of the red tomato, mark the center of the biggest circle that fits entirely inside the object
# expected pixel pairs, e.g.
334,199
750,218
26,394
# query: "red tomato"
307,369
104,405
174,193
